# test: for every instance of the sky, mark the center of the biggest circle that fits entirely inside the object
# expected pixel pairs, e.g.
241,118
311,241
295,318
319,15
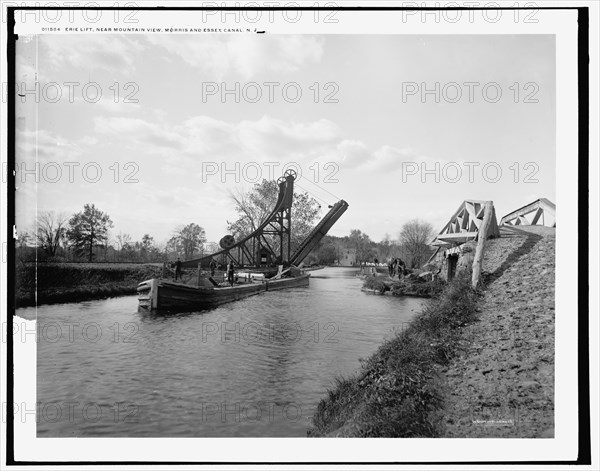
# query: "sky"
399,126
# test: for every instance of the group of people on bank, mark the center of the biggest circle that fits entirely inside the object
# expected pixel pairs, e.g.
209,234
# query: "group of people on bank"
396,267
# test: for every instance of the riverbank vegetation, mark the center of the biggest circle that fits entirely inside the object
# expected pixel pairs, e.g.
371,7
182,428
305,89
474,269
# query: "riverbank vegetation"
71,282
396,393
404,287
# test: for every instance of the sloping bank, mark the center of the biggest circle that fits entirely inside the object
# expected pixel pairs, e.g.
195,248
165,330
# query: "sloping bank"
414,385
49,283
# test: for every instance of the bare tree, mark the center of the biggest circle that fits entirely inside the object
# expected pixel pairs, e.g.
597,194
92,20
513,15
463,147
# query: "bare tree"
51,229
123,240
415,235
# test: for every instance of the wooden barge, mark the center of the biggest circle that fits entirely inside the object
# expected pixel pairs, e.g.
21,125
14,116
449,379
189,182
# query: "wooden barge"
167,295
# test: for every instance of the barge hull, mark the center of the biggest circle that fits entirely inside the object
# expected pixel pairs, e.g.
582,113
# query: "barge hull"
158,294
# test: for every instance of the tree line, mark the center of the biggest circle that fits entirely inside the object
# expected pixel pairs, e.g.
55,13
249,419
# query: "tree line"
86,235
411,245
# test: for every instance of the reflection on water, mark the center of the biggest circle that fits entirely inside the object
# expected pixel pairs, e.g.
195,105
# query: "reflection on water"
255,367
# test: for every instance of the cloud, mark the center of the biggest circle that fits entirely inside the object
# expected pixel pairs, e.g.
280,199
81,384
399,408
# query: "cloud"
275,138
45,146
91,52
388,158
208,139
109,105
353,153
138,132
243,55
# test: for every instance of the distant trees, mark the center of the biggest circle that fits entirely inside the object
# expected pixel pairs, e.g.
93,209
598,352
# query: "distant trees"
51,230
187,240
86,235
328,254
146,246
387,248
124,241
128,250
415,236
22,245
87,229
211,247
23,238
413,248
362,244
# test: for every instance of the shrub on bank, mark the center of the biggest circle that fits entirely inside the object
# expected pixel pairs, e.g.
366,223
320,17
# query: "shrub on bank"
378,283
72,282
396,394
404,287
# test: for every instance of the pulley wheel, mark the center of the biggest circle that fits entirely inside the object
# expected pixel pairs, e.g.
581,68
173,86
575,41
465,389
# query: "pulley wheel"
290,171
227,242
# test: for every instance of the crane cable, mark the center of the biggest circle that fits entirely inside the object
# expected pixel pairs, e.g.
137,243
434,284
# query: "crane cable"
313,195
321,188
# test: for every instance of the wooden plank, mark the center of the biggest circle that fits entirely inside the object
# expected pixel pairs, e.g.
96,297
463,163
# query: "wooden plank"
214,283
457,236
276,277
482,236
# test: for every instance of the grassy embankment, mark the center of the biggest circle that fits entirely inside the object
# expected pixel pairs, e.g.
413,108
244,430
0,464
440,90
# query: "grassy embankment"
397,392
72,282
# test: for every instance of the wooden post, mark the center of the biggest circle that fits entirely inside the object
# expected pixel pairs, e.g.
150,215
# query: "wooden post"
481,237
199,272
164,270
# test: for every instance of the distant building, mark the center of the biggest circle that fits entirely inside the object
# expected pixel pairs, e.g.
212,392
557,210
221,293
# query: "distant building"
347,257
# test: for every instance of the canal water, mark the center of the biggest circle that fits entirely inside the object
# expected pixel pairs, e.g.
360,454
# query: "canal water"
253,368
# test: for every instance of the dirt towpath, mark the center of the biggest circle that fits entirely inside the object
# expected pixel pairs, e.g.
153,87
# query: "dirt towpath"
502,383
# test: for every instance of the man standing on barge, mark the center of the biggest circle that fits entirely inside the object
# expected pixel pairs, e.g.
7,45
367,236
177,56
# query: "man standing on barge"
178,268
230,272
